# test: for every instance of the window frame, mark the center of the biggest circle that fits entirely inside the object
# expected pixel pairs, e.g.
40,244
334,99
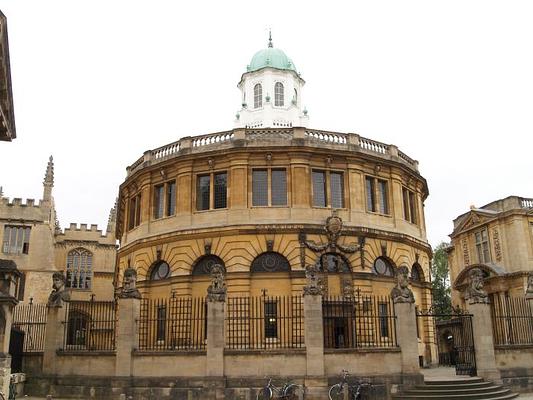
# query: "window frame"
377,197
134,211
328,189
74,269
410,206
483,246
21,239
271,316
270,184
279,95
166,200
212,182
258,96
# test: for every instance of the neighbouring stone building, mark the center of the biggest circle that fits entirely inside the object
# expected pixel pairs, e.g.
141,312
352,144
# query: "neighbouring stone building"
32,238
498,239
7,116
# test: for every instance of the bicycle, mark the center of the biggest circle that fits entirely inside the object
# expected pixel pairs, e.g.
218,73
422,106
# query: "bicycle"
336,392
289,391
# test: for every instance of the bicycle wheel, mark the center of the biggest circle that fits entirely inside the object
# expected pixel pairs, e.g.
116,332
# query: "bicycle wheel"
264,394
335,392
292,392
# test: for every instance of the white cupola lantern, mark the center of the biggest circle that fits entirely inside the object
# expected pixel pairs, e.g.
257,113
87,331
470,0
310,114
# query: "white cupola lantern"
271,92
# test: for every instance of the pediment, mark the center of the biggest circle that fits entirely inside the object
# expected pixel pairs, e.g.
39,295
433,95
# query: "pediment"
472,219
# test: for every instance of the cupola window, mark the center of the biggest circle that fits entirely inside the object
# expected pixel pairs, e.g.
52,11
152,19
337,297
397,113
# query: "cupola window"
279,97
258,96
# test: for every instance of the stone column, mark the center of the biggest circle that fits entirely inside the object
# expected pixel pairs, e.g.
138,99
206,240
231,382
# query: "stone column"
406,336
127,334
54,336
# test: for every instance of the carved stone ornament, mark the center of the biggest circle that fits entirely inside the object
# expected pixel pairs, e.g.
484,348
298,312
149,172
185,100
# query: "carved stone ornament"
347,288
217,289
129,285
59,294
529,290
402,293
475,292
314,286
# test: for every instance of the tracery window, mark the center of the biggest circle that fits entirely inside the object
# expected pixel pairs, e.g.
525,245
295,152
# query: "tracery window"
205,263
159,270
383,267
279,95
258,96
270,261
79,269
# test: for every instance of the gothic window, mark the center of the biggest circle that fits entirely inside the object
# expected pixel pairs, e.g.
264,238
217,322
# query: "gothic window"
258,96
383,267
16,240
79,269
334,262
204,264
159,270
417,274
279,96
270,262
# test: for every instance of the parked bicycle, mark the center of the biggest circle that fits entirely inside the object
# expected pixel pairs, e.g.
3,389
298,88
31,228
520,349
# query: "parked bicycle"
355,389
289,391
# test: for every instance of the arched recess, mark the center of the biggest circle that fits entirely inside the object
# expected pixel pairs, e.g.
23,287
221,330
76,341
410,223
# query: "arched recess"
383,266
159,270
270,261
334,262
203,265
462,278
417,273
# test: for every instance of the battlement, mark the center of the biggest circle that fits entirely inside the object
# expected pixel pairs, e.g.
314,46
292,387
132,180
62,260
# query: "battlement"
17,209
17,202
85,232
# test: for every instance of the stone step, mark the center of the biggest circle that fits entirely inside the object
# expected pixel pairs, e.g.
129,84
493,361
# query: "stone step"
456,382
454,391
473,385
410,397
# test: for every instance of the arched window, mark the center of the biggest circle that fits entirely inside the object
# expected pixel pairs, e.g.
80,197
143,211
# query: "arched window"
204,264
295,98
258,96
159,270
383,267
334,262
270,262
417,274
79,269
279,95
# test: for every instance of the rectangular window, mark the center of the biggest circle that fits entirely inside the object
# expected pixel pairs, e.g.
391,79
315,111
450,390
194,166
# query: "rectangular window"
271,319
336,184
171,198
409,206
377,195
482,246
383,197
134,212
279,187
203,187
370,194
319,189
260,187
16,240
412,207
159,201
383,319
221,190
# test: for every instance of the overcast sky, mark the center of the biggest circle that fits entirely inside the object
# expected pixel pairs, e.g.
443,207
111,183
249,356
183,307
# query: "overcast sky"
96,83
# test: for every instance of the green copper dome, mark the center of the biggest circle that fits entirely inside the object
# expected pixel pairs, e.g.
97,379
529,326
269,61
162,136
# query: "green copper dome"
270,57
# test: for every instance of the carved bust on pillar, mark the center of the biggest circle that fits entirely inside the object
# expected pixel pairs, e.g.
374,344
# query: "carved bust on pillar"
59,294
129,285
475,292
529,290
402,293
217,289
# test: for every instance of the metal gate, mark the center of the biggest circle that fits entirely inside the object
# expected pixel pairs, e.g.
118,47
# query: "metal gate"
455,339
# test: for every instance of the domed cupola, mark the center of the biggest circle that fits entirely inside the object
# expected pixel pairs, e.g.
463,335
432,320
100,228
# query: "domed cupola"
271,92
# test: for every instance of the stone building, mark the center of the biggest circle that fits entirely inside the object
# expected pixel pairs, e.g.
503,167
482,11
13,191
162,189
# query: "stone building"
7,116
498,239
32,238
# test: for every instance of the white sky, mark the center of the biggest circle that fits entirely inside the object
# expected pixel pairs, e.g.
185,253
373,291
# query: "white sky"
98,82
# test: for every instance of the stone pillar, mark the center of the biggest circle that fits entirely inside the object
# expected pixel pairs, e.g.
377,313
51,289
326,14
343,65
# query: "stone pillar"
5,357
54,336
406,336
127,335
314,335
483,341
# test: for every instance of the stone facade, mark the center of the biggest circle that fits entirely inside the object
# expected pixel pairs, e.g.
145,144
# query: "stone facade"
497,239
7,116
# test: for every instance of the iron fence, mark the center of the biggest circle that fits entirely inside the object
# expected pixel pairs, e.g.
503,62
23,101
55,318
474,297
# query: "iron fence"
31,319
265,322
89,326
512,320
361,321
177,323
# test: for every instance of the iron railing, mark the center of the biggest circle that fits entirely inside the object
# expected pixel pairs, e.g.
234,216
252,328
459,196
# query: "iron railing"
512,320
265,322
89,326
31,319
358,322
177,323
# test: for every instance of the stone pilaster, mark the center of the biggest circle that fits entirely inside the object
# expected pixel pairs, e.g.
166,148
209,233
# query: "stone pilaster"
406,336
215,350
53,339
127,335
483,341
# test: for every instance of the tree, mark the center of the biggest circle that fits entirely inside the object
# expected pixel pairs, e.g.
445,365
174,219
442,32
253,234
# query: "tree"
440,280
